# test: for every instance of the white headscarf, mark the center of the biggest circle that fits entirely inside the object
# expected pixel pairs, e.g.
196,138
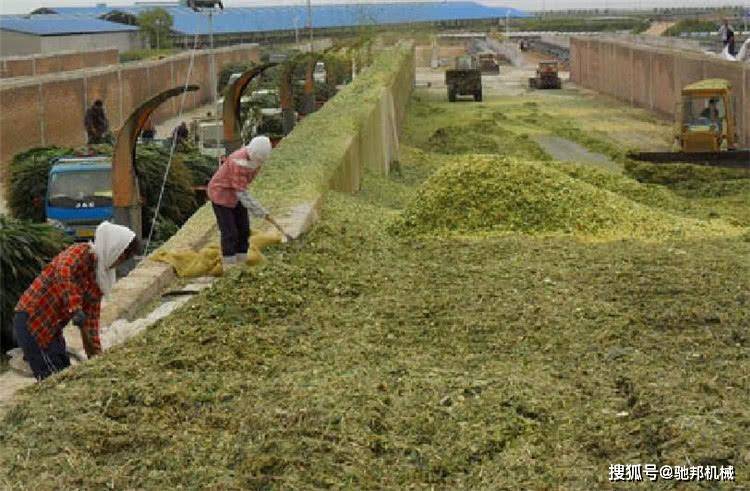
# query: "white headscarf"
258,151
110,241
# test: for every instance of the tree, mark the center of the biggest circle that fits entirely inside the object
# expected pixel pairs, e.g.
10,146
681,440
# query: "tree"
156,25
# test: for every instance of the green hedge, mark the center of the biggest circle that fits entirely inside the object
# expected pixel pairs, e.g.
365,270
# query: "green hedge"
691,25
580,24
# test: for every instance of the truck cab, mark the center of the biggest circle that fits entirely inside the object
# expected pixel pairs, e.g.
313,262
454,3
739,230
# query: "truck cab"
488,62
319,73
211,138
79,195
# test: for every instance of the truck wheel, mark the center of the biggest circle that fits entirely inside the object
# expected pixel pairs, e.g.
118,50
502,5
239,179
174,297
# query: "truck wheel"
532,83
478,96
451,95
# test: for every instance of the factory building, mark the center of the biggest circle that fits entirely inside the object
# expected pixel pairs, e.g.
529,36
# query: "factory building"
53,33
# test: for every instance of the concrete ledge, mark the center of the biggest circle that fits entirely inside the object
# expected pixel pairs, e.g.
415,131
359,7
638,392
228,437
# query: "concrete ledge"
141,286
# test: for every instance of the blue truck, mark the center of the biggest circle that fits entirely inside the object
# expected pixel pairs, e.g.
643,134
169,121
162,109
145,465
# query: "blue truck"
79,195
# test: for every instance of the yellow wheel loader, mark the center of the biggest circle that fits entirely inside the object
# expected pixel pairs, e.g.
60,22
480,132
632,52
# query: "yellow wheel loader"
705,128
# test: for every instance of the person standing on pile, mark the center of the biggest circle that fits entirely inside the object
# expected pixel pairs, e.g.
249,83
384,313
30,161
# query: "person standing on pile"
726,32
96,123
148,133
180,134
70,287
231,201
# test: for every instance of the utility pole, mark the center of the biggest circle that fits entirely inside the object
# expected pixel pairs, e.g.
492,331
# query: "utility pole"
213,55
310,23
295,19
507,25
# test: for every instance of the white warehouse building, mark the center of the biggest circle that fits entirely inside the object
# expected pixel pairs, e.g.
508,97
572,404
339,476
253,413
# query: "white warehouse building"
42,34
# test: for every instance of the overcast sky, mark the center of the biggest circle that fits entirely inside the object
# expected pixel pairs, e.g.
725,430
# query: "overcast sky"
25,6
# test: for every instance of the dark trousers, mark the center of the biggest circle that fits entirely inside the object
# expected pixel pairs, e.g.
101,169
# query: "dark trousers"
234,226
43,362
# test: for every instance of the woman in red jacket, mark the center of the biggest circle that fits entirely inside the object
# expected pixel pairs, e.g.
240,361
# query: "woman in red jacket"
70,287
231,201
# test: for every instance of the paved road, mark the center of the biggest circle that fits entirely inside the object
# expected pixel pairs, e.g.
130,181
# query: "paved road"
658,28
570,151
164,129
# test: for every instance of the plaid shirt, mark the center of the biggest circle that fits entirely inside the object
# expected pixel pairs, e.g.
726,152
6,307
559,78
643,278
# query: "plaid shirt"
65,285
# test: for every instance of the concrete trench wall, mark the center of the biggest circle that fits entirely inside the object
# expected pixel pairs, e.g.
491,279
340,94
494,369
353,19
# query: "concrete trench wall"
370,143
424,54
49,109
652,78
26,66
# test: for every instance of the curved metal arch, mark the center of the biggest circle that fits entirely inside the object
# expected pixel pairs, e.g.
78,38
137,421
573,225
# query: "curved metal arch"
231,106
125,192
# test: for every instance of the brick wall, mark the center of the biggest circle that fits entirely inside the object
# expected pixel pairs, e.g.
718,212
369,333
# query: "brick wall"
24,66
653,78
49,110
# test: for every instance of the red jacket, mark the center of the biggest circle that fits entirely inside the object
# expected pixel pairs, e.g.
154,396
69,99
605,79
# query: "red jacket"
65,285
230,179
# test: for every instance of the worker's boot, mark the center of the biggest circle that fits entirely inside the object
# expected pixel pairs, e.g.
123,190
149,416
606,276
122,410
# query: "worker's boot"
228,262
241,258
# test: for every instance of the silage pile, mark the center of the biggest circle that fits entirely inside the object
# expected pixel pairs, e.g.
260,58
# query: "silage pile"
479,194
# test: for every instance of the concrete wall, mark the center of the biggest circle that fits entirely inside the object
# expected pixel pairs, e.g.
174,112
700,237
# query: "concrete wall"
48,110
18,44
24,66
653,78
423,54
121,41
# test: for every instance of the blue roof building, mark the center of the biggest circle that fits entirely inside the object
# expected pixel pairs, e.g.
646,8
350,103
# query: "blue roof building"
282,18
233,25
55,25
48,33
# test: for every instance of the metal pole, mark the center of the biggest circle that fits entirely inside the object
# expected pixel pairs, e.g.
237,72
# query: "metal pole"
296,31
213,55
309,23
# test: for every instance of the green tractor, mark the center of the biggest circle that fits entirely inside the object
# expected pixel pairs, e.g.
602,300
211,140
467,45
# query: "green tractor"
464,79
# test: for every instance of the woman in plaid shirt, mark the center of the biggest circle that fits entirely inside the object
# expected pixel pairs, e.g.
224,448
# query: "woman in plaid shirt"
70,287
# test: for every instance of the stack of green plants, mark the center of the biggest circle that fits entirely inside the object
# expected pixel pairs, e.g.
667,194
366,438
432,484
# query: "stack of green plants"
483,135
686,26
301,167
580,24
674,174
26,247
484,194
